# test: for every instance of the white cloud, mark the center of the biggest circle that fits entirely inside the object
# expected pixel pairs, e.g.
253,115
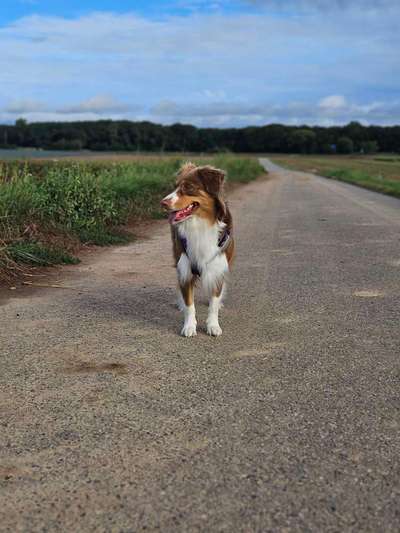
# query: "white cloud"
322,5
329,111
100,104
93,108
24,106
332,102
206,68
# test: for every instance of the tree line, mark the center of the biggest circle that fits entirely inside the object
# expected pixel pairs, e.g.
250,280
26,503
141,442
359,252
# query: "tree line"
124,135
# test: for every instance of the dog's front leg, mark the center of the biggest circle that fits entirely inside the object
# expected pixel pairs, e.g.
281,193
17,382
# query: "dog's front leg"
189,311
213,327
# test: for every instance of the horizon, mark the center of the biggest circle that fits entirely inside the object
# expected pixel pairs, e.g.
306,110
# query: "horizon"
186,124
213,64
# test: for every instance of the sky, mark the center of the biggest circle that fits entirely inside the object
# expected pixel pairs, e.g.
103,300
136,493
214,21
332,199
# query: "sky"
210,63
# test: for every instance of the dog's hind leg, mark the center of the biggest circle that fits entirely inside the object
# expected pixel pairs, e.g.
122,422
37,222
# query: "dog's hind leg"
213,327
189,311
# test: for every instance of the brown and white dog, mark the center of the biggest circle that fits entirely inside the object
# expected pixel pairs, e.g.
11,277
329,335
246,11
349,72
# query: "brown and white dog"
201,230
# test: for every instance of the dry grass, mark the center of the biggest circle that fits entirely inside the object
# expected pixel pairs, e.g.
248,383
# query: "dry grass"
9,268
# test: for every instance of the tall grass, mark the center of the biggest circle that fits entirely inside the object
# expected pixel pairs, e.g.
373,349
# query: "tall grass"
46,207
238,169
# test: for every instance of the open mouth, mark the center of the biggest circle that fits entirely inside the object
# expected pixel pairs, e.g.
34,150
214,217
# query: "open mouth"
182,214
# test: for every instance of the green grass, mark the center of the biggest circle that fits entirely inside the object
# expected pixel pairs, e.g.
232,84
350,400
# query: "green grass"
239,169
36,253
362,179
47,207
387,159
381,174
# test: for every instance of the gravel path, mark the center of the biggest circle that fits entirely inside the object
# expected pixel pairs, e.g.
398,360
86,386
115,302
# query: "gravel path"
110,421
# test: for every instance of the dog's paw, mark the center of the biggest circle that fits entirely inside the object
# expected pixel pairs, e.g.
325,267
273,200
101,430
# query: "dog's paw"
214,329
189,330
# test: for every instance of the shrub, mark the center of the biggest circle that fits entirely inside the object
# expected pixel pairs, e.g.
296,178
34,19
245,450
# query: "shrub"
87,201
369,147
345,145
74,198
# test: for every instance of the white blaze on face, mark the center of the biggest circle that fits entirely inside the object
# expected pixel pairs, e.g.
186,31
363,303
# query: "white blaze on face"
172,198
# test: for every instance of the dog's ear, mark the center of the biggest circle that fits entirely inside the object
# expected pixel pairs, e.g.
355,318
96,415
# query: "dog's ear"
220,208
184,170
212,179
213,182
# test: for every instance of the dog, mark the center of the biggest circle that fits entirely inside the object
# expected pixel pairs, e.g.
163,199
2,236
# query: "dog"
202,240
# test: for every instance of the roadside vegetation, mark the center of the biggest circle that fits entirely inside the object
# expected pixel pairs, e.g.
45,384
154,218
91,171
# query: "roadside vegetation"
49,209
378,173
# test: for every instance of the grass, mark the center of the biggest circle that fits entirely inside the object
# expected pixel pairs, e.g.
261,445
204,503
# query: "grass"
387,159
36,253
47,208
362,179
378,173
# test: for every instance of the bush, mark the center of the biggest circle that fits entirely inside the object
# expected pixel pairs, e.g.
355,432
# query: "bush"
345,146
87,201
74,198
369,147
328,149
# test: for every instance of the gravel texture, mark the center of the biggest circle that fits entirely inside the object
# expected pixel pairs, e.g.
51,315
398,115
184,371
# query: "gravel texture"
110,421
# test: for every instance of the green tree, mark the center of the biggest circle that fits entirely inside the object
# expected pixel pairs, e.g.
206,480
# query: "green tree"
369,147
345,145
302,141
21,123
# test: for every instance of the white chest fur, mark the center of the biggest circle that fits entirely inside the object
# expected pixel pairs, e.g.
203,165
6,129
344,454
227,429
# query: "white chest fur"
203,252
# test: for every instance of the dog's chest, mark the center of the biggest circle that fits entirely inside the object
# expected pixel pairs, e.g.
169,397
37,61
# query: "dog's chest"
201,239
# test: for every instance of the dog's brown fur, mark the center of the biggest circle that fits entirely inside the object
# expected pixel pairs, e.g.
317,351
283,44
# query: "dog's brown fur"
199,193
204,185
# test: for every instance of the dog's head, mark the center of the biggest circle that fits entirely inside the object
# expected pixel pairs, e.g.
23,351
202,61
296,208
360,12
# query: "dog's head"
198,193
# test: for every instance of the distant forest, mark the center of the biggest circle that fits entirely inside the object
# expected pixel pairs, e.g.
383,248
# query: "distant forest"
124,135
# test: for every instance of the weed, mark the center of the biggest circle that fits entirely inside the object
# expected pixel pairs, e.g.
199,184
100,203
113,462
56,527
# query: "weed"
36,253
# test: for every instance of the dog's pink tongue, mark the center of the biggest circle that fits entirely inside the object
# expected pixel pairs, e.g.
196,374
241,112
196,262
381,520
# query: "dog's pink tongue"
175,216
182,213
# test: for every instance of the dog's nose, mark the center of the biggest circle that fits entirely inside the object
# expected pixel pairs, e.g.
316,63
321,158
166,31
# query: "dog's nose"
164,203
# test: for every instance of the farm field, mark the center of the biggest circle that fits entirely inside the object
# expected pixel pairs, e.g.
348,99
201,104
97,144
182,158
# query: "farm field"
49,208
29,154
380,173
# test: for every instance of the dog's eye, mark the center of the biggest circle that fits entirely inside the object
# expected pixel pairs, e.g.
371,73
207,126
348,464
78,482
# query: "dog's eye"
188,189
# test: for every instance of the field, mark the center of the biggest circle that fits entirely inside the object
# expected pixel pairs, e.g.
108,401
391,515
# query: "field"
380,173
48,209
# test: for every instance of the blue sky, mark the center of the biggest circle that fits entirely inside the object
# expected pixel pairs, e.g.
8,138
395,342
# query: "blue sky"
210,63
13,9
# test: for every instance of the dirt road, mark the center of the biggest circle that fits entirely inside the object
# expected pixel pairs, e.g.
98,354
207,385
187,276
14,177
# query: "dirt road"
110,421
